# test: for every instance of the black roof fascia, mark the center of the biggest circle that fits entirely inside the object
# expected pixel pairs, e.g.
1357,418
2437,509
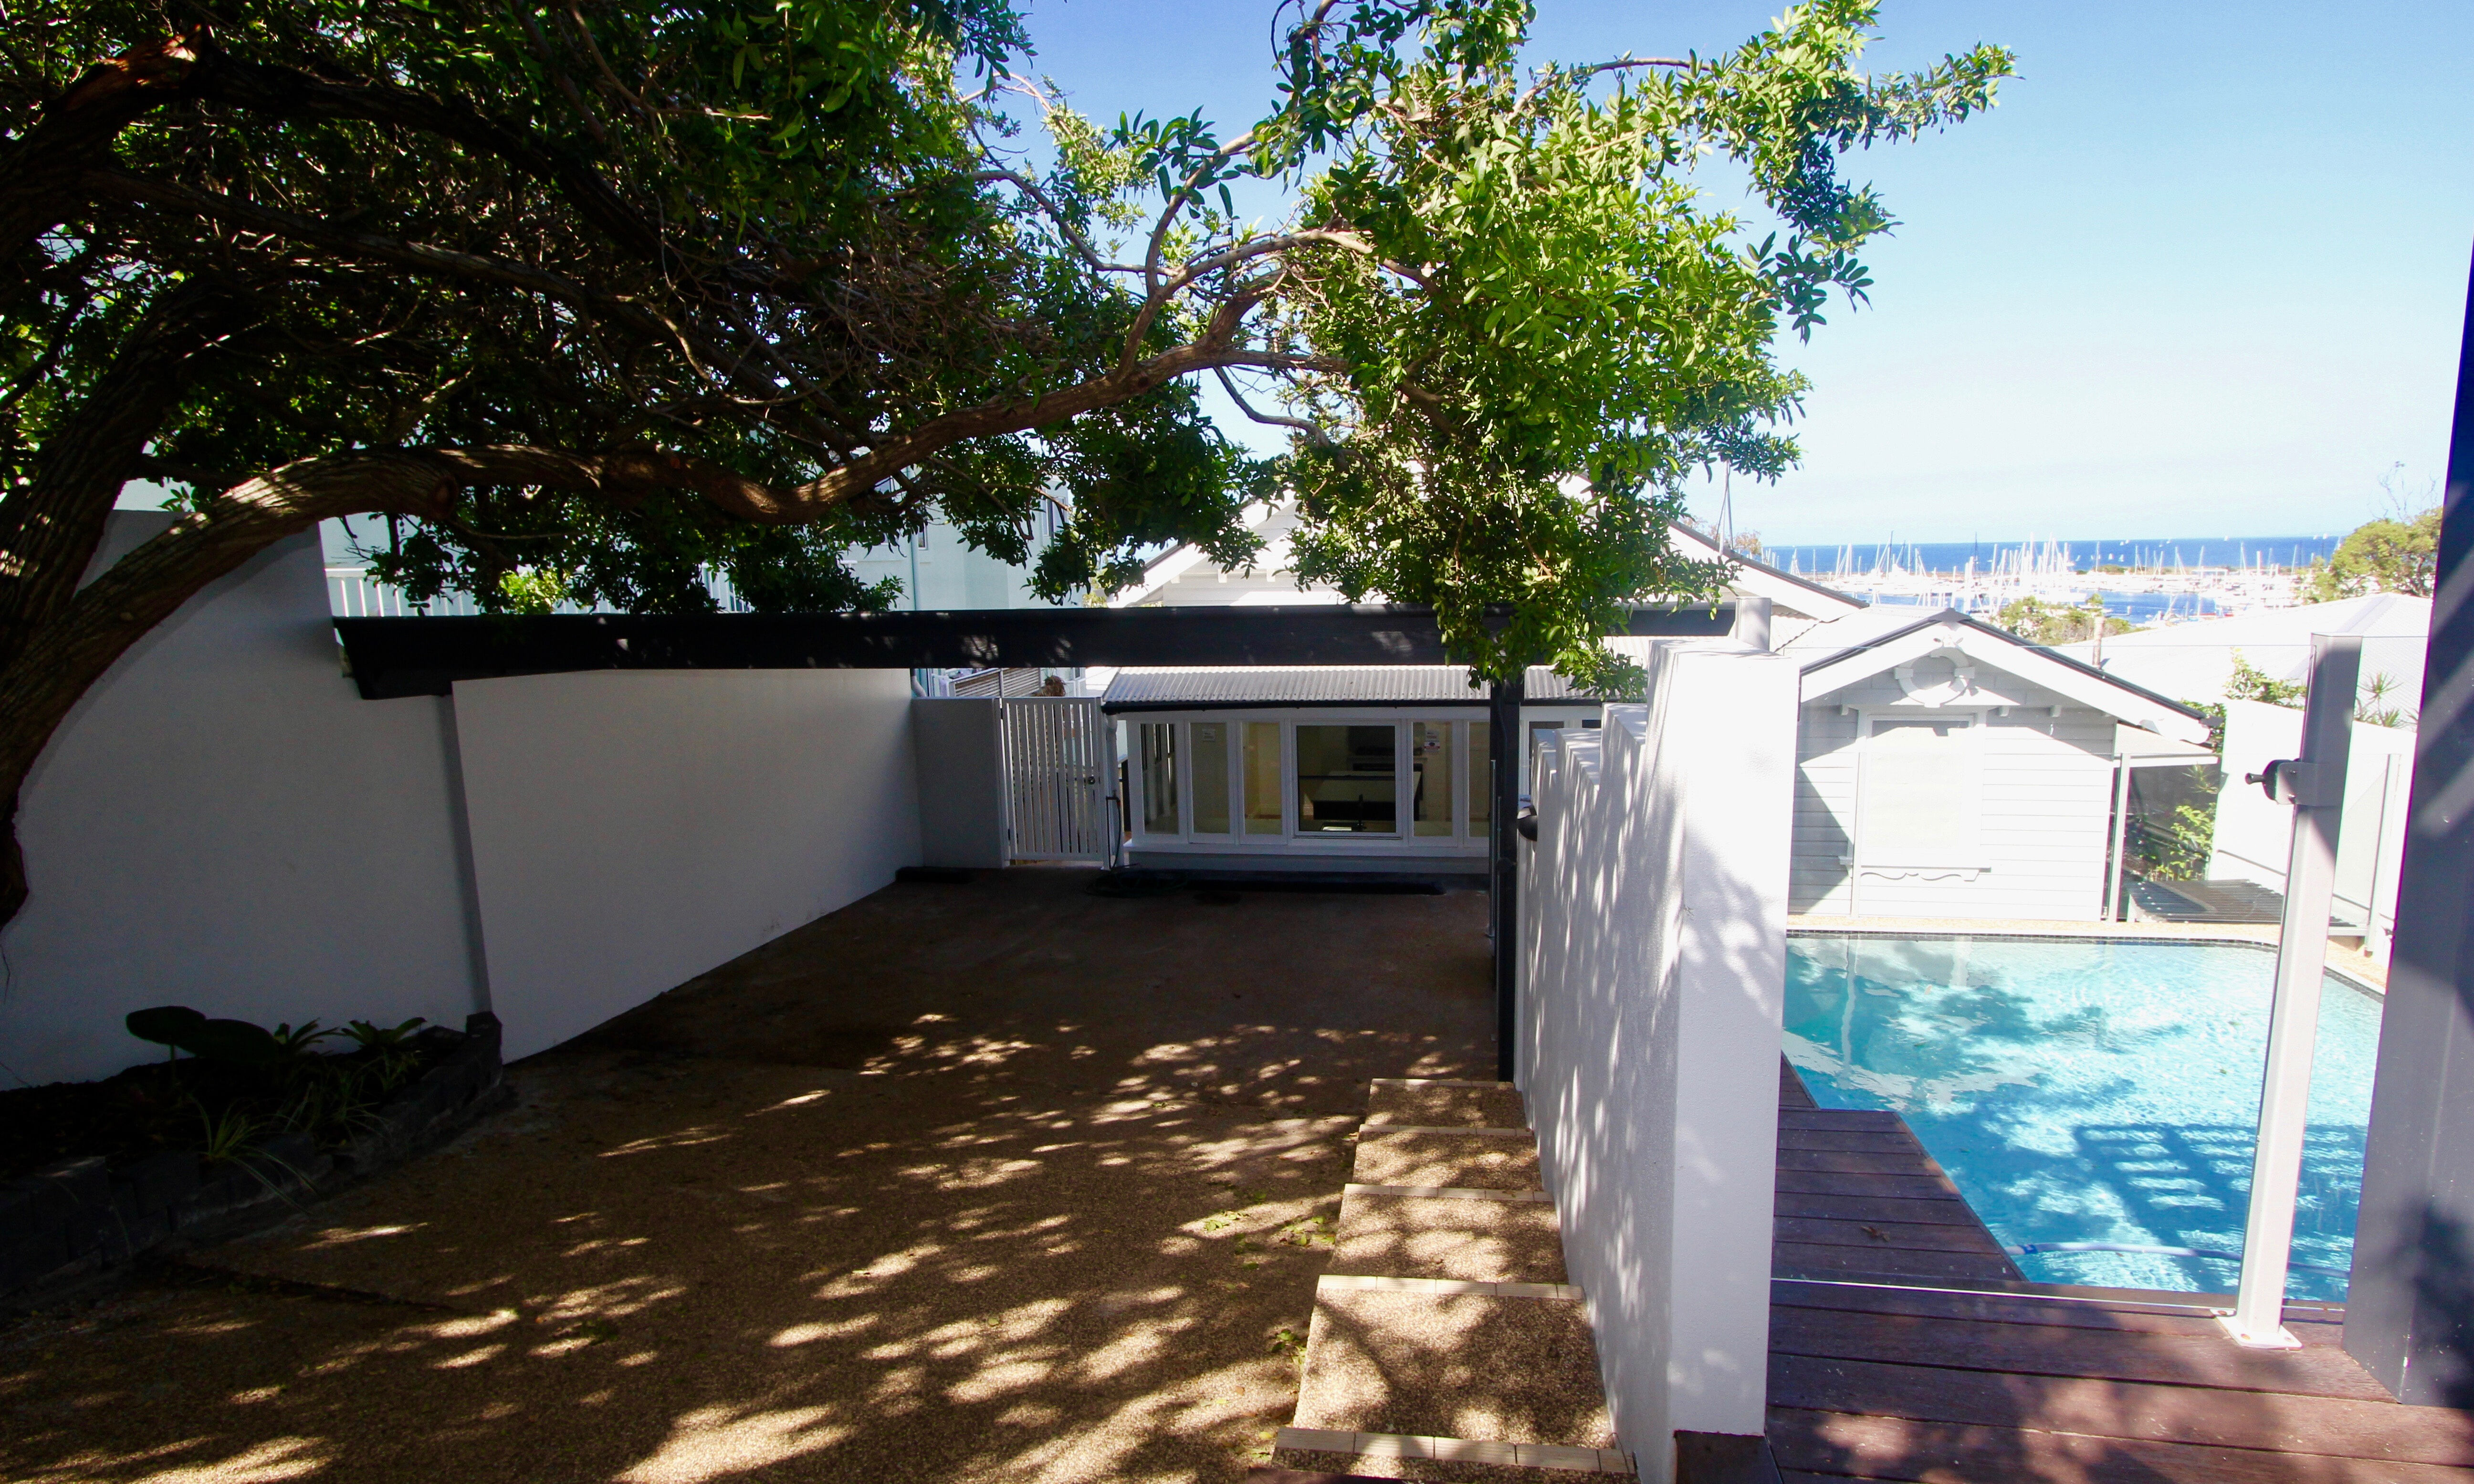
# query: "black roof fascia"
399,657
2007,637
1477,703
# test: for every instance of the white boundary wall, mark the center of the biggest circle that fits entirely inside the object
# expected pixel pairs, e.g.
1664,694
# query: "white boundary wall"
1654,930
222,822
633,829
2254,833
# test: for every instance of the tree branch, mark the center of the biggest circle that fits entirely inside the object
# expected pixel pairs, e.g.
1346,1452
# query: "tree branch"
1314,431
444,262
41,169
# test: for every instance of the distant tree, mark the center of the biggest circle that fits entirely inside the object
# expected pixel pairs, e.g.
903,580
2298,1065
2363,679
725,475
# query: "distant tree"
2040,622
2249,683
2386,555
590,300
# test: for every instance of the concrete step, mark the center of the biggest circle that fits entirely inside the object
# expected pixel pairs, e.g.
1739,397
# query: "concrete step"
1432,1103
1448,1361
1382,1455
1477,1158
1471,1235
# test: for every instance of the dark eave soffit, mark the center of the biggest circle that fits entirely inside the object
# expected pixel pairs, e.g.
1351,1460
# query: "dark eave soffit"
397,657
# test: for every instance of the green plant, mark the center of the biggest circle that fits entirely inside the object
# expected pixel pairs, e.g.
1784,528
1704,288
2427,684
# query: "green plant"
2040,622
228,1135
2248,683
2386,555
2178,848
370,1038
168,1026
2374,707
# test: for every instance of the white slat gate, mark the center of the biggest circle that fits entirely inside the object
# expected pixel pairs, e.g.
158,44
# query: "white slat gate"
1060,778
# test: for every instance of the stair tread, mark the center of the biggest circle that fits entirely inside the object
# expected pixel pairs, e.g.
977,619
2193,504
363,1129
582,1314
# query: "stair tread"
1445,1460
1476,1241
1453,1366
1470,1161
1433,1105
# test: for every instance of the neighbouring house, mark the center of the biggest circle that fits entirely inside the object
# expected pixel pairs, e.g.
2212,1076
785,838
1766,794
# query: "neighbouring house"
1946,768
2192,661
1371,769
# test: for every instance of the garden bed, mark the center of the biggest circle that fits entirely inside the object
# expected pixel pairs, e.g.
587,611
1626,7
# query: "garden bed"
188,1151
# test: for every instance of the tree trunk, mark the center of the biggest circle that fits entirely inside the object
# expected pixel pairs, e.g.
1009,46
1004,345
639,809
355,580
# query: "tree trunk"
49,528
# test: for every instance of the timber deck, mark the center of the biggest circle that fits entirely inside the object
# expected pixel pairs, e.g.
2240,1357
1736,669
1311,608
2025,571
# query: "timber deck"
1904,1346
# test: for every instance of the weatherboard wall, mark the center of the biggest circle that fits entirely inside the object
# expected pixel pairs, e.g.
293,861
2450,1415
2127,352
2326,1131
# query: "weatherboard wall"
2043,784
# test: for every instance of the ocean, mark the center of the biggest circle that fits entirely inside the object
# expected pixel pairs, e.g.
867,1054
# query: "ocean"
1953,557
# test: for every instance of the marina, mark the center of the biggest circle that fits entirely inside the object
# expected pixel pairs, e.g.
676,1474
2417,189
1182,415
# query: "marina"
2141,583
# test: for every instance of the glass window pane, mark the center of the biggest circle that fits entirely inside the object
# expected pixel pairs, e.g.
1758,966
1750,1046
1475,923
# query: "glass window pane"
1262,778
1430,760
1347,781
1210,777
1481,779
1159,777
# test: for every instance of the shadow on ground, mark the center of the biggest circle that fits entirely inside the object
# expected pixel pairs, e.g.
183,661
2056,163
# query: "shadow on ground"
989,1182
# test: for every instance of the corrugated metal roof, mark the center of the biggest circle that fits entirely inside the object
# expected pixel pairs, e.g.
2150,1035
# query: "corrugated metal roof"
1287,685
1320,684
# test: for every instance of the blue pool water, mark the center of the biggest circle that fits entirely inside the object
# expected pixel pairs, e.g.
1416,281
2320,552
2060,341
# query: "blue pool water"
2090,1091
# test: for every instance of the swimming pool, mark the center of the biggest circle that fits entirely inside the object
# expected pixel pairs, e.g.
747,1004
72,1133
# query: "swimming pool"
2090,1091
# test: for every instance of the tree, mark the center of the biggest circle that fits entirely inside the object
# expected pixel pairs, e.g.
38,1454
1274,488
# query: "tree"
588,300
2040,622
2386,555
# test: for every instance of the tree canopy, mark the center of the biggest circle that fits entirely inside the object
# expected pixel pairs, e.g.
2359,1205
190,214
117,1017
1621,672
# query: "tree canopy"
593,298
2386,555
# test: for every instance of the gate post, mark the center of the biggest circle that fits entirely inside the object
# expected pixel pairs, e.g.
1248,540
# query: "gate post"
1503,746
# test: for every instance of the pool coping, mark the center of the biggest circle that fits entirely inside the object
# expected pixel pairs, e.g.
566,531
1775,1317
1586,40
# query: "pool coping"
1943,928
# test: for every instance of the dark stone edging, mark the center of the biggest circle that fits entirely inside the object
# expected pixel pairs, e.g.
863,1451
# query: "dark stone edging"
76,1219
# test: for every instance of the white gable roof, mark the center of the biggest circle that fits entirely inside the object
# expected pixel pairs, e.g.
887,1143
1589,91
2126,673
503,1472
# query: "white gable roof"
1184,575
2192,661
1838,654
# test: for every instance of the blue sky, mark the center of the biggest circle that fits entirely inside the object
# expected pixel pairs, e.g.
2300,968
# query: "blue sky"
2202,273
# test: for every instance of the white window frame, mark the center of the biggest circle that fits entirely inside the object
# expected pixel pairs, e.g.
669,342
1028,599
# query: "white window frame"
1289,841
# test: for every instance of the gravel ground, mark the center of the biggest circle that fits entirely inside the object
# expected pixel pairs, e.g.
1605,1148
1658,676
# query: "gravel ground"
988,1182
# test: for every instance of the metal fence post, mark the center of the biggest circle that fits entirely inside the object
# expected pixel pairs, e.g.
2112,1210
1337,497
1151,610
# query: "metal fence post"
1504,744
2315,785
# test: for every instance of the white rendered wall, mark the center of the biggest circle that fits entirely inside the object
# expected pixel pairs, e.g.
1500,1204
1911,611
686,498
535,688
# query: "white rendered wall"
2043,820
222,822
634,829
1654,945
2254,833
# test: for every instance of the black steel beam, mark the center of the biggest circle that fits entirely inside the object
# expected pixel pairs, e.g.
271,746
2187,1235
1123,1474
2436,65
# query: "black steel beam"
2410,1310
396,657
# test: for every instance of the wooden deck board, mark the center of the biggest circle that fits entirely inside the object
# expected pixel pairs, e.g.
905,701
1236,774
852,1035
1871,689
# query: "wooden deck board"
1878,1371
1837,1446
